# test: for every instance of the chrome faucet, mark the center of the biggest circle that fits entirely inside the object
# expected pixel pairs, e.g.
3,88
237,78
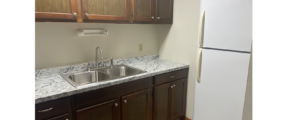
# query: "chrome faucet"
97,66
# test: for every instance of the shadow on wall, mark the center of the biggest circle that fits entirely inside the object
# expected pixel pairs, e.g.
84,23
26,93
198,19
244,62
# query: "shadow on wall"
163,31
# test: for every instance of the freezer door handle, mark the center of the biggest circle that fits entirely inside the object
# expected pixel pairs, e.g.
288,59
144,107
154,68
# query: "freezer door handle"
201,28
198,65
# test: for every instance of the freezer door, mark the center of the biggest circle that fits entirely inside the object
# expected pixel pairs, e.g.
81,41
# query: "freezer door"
221,91
227,24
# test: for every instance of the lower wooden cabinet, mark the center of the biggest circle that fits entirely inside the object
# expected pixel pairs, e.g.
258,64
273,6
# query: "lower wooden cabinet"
162,99
178,99
169,100
137,106
59,109
103,111
127,101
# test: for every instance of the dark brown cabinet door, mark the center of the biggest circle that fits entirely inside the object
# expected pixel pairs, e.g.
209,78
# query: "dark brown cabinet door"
112,10
178,99
164,11
137,106
162,100
103,111
143,10
55,9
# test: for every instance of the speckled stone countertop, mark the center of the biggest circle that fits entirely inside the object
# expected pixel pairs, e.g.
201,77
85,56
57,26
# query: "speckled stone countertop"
49,85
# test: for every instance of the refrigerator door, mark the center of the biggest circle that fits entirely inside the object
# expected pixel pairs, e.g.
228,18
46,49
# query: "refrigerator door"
227,24
221,91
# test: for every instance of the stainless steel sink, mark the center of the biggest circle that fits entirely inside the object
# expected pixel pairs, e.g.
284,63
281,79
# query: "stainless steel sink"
121,71
100,74
81,78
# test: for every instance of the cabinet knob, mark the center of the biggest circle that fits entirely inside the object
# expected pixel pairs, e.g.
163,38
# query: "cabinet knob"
125,101
75,14
116,104
87,14
171,86
152,17
66,119
158,18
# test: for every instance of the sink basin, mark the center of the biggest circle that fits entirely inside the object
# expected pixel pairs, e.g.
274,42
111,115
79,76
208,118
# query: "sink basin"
81,78
100,74
122,71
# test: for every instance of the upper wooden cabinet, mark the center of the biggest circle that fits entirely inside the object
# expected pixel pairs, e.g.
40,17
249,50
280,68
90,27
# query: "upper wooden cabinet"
143,11
164,11
56,9
102,11
117,10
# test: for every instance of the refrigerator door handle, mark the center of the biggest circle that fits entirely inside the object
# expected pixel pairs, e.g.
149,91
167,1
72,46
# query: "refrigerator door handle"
201,28
198,65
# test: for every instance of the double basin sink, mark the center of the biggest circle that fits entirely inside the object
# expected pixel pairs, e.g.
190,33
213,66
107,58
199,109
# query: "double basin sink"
100,75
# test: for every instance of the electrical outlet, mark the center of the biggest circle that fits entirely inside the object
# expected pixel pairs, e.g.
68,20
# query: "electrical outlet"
140,47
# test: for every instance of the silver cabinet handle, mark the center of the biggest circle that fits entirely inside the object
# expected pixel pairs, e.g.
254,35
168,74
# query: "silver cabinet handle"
172,76
198,64
45,110
158,18
87,14
152,17
201,28
75,14
171,87
125,101
116,104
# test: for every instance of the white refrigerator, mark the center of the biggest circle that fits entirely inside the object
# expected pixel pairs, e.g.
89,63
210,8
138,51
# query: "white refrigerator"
224,48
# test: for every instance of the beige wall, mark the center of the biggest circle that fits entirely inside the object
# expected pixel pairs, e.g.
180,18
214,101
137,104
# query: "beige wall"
57,44
178,42
247,114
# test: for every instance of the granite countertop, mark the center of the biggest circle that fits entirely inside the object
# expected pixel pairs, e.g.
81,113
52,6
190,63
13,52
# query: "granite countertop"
49,85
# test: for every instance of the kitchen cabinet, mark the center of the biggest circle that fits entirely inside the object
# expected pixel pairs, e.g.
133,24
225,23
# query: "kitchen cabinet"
160,97
103,111
169,100
178,97
143,11
106,10
56,9
164,11
137,106
59,109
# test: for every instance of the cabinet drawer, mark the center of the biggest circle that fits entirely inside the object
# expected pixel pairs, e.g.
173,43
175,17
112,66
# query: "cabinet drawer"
52,109
168,77
94,97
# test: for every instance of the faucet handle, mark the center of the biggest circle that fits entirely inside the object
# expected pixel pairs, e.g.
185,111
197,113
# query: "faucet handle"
89,66
112,62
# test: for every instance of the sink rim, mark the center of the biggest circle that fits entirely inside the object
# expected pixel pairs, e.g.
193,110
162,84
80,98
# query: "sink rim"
74,84
138,71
